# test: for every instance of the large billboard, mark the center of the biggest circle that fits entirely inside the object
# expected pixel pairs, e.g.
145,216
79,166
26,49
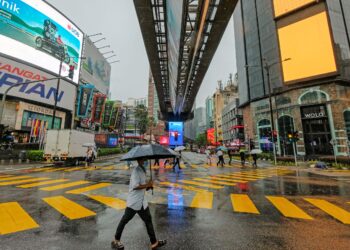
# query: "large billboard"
85,95
176,133
174,24
283,7
33,31
305,38
95,68
12,72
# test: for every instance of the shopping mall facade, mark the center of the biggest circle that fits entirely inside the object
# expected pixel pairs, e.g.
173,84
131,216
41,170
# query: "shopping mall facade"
305,48
34,41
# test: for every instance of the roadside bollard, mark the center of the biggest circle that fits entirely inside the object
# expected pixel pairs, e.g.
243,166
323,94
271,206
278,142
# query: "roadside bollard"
2,162
11,161
19,161
27,160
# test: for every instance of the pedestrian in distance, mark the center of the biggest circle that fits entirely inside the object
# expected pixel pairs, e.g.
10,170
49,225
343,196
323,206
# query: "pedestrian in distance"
220,155
156,162
208,154
255,158
177,161
230,154
242,155
137,204
89,156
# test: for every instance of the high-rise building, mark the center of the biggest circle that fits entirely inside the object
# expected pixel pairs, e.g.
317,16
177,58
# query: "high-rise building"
209,112
299,52
232,124
199,120
222,97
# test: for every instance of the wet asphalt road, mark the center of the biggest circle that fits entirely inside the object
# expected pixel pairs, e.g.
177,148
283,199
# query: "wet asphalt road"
198,213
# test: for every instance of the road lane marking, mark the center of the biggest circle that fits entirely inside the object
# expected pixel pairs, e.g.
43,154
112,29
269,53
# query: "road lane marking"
108,168
5,176
68,208
179,186
333,210
243,204
62,186
234,178
223,179
244,177
214,182
109,201
202,200
55,170
13,218
287,208
88,188
42,183
15,182
201,184
41,169
16,178
74,169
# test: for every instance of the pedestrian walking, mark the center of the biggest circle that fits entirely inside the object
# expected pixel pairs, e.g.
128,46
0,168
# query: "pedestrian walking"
89,156
230,155
156,162
220,155
177,161
255,158
208,154
137,204
242,155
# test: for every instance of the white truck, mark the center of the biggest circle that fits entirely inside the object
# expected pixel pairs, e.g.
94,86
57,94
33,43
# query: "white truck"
68,145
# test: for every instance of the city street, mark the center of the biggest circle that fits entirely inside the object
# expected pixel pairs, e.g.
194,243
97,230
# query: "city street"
197,207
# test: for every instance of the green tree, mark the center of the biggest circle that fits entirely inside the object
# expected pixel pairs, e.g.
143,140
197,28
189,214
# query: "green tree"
201,139
141,116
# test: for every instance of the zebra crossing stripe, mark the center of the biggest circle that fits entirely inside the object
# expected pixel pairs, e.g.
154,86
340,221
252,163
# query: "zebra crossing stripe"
287,208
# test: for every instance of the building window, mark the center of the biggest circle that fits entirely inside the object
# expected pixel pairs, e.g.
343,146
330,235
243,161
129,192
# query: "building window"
347,122
264,129
313,97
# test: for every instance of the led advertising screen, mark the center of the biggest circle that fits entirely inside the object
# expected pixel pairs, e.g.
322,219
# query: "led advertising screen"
95,68
176,133
211,136
308,44
84,99
33,31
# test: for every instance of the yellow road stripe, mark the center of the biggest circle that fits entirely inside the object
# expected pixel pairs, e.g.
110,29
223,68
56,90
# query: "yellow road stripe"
7,183
242,176
201,184
333,210
40,169
66,185
215,182
203,200
55,170
15,178
179,186
243,204
88,188
14,218
234,177
73,169
68,208
223,179
4,176
287,208
108,168
42,183
109,201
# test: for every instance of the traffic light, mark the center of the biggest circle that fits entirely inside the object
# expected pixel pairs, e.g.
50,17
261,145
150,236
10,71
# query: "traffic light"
290,136
71,72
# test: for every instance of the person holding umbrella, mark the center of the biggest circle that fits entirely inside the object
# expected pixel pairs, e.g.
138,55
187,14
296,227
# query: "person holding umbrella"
136,201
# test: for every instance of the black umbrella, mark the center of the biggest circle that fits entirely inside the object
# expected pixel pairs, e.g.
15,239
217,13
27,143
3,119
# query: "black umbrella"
151,151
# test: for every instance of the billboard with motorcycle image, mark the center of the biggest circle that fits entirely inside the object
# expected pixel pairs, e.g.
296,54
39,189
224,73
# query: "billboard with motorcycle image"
35,32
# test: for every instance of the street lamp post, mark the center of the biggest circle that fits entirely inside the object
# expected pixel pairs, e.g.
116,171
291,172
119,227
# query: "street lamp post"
267,68
56,94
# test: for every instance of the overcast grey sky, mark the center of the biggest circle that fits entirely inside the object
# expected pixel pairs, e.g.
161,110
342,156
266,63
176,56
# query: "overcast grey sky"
117,20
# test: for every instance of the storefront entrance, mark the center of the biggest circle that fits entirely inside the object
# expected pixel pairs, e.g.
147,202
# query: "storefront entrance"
317,134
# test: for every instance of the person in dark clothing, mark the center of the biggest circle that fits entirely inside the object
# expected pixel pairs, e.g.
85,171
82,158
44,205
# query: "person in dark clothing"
230,154
220,155
255,157
156,162
177,161
242,155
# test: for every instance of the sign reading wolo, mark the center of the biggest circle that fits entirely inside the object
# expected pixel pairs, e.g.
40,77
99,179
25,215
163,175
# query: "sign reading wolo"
33,31
12,72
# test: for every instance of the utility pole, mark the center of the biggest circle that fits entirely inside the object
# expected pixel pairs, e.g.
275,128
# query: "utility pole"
56,95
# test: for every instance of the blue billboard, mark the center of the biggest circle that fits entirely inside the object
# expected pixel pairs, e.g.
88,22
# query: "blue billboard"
176,133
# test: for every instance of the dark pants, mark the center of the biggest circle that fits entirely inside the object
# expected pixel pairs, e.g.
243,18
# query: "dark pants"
221,161
230,156
177,162
145,216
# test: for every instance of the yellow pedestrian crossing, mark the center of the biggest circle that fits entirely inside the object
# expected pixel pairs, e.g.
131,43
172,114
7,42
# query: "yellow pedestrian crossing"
15,178
179,186
88,188
202,200
287,208
331,209
234,177
13,218
201,184
224,179
66,185
4,176
15,182
42,183
41,169
68,208
214,182
74,169
243,204
109,201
